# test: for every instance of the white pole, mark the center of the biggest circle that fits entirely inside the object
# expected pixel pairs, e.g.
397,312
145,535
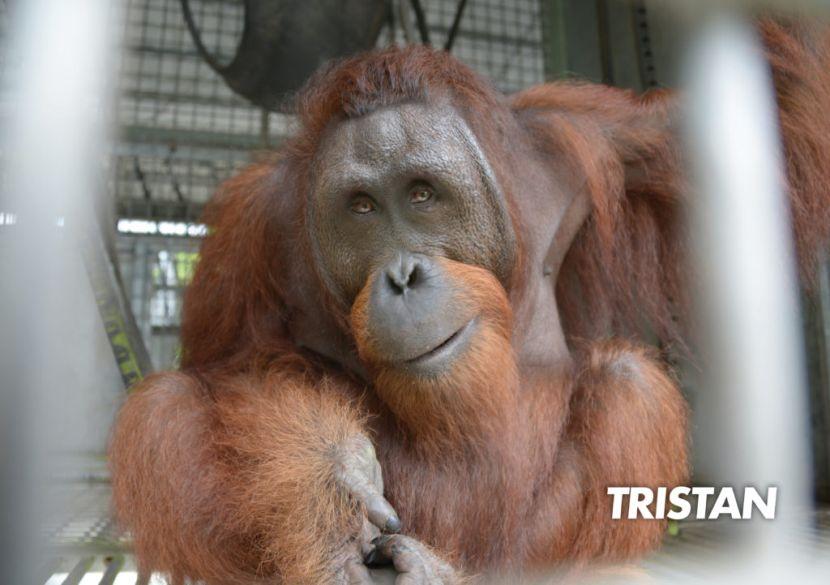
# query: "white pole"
59,65
752,344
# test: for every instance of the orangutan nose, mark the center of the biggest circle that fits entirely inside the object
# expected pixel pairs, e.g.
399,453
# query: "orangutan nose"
405,272
413,306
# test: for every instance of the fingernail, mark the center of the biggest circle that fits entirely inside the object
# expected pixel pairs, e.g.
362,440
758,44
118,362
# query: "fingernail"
393,524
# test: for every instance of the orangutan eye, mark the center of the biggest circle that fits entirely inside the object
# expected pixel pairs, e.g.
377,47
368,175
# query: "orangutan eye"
420,194
362,204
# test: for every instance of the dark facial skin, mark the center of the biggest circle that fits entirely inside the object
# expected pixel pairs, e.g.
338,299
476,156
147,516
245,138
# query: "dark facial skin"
406,179
417,315
390,191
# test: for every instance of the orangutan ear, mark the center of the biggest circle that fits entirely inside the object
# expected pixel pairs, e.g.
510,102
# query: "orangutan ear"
621,229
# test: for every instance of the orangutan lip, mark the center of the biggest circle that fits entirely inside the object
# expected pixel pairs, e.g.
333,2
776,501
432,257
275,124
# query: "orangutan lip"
449,345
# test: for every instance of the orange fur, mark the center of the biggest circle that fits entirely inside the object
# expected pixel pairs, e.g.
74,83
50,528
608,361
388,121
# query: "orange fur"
620,386
799,55
235,489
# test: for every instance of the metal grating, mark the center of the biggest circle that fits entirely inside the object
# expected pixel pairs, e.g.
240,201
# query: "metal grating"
155,271
182,130
501,40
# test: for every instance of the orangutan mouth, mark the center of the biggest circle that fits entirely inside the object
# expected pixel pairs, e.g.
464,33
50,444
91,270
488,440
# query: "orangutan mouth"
445,352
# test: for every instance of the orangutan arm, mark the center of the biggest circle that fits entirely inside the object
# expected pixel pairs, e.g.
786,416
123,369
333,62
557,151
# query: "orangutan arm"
627,427
266,478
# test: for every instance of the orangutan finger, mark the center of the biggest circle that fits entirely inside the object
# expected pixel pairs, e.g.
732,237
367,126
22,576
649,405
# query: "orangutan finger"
359,471
415,563
357,573
381,513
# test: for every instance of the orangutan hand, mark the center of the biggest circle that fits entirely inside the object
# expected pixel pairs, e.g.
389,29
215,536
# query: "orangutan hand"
358,471
414,562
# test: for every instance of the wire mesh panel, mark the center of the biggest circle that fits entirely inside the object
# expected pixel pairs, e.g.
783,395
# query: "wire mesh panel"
156,270
501,40
183,131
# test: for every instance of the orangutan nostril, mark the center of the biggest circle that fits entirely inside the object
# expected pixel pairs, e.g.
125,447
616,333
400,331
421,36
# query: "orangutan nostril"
397,283
403,274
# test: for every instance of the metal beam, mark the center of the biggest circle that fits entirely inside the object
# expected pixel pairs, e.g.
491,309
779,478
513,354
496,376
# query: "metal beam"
198,138
554,39
159,209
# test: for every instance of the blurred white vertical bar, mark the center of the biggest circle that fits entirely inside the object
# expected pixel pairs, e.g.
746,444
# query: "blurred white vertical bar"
60,60
752,343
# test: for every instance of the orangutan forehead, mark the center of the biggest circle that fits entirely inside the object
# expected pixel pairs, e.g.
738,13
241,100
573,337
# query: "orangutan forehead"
405,138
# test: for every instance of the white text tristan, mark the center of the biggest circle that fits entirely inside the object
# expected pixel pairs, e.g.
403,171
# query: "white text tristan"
684,502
